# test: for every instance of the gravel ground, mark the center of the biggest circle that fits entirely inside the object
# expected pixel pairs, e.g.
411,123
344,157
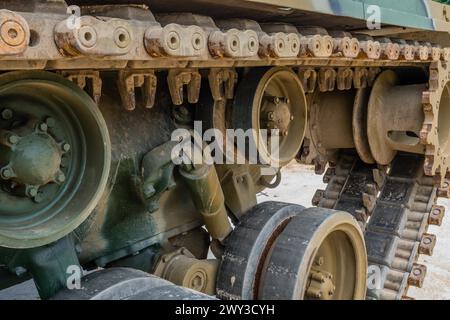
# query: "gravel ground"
298,186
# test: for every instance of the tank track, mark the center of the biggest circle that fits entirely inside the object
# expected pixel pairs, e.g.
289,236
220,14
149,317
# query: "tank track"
139,44
394,206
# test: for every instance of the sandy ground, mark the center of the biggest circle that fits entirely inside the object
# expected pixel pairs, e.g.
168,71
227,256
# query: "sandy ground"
298,185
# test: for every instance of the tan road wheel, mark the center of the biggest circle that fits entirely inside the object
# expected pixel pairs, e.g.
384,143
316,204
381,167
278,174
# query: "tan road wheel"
272,99
319,255
285,252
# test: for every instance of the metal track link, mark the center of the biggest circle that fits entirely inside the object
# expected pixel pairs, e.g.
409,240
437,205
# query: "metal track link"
395,209
396,233
351,187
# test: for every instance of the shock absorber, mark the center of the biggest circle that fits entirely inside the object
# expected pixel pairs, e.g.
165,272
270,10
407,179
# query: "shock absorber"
208,198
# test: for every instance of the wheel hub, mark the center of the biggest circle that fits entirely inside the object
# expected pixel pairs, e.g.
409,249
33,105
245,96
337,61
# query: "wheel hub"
278,114
35,159
321,285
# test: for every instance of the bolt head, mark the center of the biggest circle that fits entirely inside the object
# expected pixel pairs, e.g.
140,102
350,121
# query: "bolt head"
60,177
43,127
66,147
6,173
20,271
319,261
7,114
13,139
32,191
39,197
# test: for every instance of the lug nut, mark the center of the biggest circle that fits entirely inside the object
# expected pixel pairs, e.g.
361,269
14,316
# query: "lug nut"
66,147
7,114
43,127
6,173
276,100
13,139
60,177
31,192
271,115
319,261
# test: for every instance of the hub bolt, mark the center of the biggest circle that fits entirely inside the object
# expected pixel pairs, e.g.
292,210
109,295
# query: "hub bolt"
319,261
39,197
271,116
66,147
31,192
43,127
13,139
60,177
7,114
6,173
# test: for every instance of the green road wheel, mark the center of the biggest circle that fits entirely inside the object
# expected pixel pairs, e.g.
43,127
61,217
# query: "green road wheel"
55,157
